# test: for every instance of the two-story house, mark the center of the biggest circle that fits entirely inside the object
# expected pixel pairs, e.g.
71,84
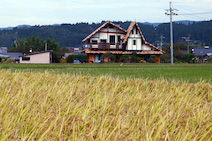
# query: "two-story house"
111,38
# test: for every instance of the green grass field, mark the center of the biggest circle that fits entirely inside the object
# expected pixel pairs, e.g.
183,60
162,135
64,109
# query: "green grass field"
182,72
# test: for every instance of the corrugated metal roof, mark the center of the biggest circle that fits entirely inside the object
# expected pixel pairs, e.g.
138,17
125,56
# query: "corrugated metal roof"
12,55
202,51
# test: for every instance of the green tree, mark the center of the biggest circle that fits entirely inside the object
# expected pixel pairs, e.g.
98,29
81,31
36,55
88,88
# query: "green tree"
70,59
62,51
178,54
80,57
189,58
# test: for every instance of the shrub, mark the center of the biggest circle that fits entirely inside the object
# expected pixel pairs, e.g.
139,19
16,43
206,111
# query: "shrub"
2,60
80,57
189,58
152,59
70,59
62,60
133,58
111,57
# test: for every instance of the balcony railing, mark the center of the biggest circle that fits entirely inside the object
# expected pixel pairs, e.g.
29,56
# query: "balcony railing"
105,46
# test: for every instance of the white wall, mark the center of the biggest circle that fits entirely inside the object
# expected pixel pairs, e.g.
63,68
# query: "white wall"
138,39
105,34
145,47
41,58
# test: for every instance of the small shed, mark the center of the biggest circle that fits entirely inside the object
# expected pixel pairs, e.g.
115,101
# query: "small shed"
37,58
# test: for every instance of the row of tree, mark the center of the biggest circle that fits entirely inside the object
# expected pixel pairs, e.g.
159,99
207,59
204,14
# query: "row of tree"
179,55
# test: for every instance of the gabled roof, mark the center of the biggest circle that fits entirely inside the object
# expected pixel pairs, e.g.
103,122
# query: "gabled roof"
102,26
129,30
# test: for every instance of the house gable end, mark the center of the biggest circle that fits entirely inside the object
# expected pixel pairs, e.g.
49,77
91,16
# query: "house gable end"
103,28
134,25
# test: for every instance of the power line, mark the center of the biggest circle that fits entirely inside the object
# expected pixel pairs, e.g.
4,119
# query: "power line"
196,13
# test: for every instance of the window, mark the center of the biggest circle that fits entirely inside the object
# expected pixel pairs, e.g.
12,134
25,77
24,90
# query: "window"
136,31
94,41
103,41
25,58
119,39
76,50
112,39
134,42
132,31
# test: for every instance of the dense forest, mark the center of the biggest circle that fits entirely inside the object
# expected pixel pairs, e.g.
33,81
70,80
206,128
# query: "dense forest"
71,35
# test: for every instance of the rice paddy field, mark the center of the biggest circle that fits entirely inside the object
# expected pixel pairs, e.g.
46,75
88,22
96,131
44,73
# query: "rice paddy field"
106,102
181,72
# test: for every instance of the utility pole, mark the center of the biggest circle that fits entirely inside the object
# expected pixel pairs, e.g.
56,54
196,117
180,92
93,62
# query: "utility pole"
16,39
161,40
45,46
187,39
170,13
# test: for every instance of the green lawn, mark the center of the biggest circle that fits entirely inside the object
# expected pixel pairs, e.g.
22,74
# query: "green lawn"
182,72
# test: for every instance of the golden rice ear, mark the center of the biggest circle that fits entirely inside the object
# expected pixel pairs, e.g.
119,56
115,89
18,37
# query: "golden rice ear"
51,106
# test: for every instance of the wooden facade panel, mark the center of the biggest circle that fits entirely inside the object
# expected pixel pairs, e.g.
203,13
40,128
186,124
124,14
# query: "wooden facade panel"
106,59
158,58
90,58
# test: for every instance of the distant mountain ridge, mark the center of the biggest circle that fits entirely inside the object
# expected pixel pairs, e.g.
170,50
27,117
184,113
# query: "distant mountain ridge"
19,26
186,22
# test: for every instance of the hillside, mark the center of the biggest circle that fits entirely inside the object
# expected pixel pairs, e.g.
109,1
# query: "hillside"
72,34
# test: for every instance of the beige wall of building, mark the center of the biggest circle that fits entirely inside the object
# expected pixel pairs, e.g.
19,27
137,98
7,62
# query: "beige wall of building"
36,58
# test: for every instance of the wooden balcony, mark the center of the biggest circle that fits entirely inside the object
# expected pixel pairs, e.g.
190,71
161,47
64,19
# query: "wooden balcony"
104,46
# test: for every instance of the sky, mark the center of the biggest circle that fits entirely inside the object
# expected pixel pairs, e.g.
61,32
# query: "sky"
48,12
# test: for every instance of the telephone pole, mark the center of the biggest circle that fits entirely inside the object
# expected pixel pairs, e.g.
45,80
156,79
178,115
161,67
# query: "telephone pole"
16,39
161,41
187,39
170,13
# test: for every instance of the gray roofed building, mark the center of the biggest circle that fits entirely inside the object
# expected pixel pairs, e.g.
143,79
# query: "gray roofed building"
203,54
202,51
11,55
